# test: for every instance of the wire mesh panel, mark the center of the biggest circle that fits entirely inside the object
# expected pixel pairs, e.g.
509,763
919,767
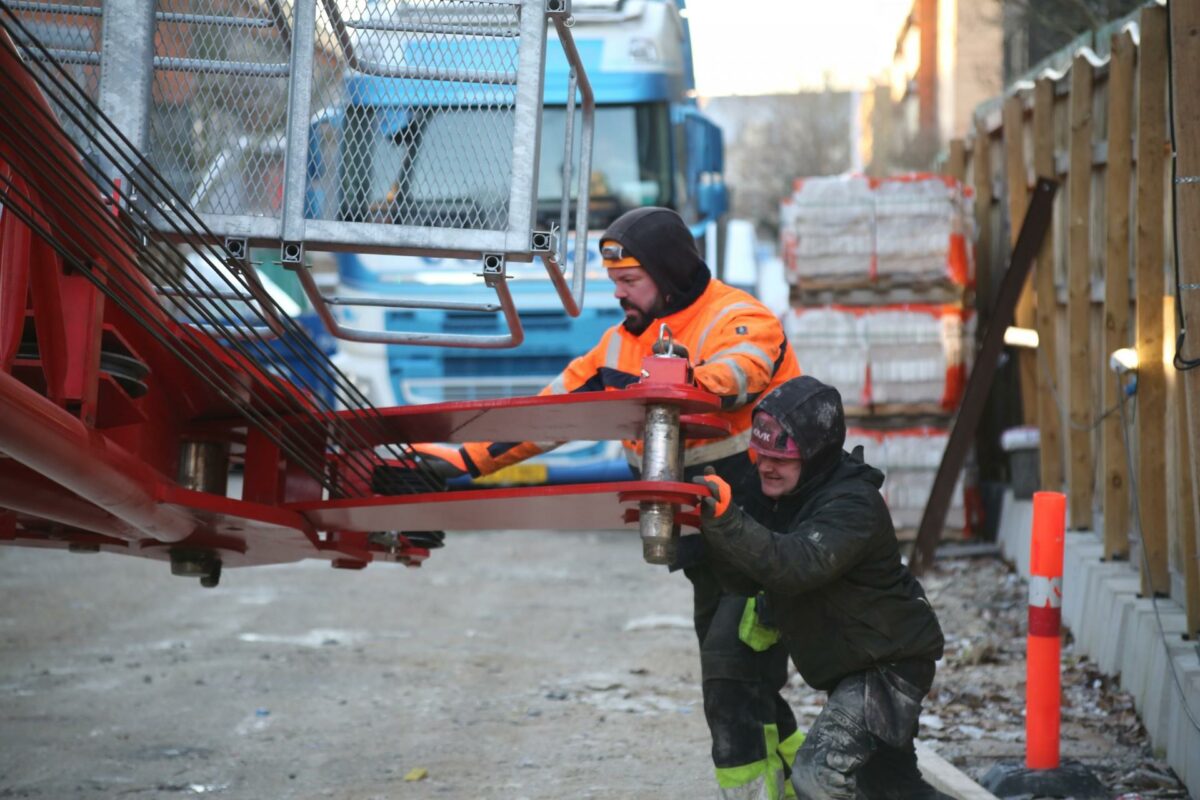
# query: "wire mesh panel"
383,125
68,32
430,102
220,89
386,126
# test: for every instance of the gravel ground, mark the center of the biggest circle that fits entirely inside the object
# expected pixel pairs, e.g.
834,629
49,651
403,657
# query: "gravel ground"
512,665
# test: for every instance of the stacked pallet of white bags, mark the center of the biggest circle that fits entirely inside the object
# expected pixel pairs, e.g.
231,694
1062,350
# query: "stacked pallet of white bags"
879,272
919,229
851,231
829,227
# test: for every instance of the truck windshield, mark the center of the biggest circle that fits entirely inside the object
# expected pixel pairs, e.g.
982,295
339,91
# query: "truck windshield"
630,162
434,169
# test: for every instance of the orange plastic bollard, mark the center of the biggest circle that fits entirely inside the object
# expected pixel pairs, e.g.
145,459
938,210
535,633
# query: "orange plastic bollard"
1043,681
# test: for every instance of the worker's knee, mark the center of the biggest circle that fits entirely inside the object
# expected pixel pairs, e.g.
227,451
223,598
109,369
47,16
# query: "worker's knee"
837,747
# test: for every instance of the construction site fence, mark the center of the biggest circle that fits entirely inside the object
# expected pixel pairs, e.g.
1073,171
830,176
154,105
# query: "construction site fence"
1119,269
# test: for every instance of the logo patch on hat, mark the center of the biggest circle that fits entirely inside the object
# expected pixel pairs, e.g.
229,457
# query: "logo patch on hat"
768,438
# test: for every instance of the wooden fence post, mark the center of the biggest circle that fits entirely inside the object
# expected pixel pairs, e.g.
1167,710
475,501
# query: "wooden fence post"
982,156
1018,199
1081,359
1185,32
1048,416
956,162
1115,467
1148,246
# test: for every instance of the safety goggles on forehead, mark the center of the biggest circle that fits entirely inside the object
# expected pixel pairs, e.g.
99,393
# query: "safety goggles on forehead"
617,257
612,251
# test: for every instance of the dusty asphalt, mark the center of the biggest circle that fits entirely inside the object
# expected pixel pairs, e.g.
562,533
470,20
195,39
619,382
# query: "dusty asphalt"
502,667
512,665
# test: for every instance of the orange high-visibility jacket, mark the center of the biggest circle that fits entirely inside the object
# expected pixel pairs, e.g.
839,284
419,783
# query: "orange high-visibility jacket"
739,350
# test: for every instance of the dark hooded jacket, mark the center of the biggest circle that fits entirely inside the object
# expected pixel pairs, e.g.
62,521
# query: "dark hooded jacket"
826,553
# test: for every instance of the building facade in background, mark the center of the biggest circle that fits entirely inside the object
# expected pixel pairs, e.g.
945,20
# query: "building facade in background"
948,59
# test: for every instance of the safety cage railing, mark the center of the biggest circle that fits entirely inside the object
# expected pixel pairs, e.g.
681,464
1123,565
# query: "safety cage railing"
387,126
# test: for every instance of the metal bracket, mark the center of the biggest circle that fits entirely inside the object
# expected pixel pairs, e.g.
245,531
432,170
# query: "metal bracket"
493,268
542,242
291,253
558,9
236,248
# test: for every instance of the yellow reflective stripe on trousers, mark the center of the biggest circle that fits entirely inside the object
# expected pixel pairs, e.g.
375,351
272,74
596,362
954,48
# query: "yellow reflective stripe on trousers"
760,780
787,752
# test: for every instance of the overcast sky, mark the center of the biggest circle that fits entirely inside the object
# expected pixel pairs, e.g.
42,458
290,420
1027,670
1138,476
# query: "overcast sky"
770,46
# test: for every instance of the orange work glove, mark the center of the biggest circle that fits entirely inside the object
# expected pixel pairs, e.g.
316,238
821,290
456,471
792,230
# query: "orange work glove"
718,503
448,462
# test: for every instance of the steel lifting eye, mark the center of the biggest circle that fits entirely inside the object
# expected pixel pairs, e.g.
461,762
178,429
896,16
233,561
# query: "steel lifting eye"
664,334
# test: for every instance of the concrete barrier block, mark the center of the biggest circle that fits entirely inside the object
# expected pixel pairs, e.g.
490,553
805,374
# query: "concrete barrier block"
1133,659
1183,737
1097,620
1163,695
1122,595
1148,675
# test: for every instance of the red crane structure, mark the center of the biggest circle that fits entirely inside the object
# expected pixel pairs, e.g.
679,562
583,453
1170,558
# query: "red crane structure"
132,386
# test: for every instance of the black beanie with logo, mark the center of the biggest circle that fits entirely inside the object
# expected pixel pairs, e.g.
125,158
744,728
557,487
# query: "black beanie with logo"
661,242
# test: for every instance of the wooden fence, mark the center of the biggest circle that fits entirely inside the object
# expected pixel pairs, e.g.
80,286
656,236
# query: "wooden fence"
1105,279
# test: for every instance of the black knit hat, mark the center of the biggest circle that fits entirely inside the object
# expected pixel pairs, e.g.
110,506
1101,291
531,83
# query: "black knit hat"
811,413
661,242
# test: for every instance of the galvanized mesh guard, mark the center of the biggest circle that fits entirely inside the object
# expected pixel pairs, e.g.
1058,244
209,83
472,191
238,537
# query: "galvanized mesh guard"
404,126
71,33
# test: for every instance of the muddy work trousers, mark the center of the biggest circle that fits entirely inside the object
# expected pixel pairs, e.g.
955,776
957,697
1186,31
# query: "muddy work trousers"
754,734
861,746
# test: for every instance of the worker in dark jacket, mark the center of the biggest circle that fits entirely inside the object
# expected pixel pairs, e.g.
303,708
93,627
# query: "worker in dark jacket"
815,541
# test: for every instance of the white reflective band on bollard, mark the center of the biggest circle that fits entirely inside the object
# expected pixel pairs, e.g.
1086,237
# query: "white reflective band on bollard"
1045,592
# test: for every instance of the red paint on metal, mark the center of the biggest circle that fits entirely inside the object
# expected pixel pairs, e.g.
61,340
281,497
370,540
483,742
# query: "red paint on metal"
51,441
564,417
92,467
593,506
29,493
666,370
15,241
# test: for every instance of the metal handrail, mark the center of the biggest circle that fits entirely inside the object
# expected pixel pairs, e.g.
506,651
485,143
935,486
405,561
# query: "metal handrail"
572,295
340,29
494,277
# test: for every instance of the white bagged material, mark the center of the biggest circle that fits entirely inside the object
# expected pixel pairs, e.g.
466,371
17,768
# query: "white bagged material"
849,229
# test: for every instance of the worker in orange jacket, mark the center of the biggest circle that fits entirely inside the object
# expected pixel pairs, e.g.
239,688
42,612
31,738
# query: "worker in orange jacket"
740,353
